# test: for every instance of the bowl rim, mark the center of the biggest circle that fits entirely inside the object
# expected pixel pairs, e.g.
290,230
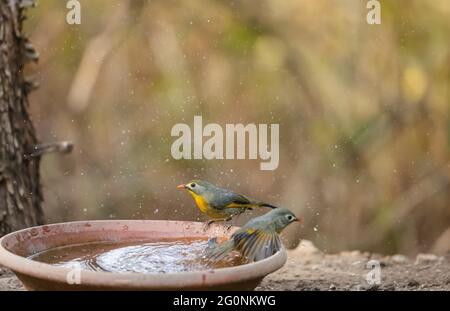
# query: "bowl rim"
207,278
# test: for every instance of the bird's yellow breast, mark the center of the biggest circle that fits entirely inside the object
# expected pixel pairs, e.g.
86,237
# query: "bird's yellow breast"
204,206
200,201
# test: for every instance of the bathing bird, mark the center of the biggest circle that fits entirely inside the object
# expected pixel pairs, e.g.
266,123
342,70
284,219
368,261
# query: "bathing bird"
218,203
257,239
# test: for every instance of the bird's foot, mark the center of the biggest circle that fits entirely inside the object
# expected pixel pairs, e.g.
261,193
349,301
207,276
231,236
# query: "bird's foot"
209,223
206,225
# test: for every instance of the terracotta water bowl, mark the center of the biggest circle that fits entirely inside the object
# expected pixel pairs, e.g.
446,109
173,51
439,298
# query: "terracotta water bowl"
16,247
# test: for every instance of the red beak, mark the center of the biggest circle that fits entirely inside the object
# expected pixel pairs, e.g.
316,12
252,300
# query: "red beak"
299,220
181,187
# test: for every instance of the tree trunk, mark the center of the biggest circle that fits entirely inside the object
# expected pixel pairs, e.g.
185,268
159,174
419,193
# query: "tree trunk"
20,190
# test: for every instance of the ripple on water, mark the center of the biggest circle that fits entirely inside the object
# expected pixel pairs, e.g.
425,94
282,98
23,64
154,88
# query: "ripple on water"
169,256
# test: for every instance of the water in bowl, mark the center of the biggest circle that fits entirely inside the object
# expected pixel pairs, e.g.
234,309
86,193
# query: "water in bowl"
168,256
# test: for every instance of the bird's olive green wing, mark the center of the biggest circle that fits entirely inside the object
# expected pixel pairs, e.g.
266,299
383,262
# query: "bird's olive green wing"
256,244
222,200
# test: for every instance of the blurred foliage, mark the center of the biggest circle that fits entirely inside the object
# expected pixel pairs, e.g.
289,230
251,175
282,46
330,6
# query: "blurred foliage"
363,111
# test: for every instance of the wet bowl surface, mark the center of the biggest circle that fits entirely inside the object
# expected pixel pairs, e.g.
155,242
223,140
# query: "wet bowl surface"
17,246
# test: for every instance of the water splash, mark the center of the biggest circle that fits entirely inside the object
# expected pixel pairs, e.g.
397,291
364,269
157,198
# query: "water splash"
170,256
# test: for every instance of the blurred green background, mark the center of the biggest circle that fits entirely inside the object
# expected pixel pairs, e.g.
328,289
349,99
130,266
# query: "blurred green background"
363,112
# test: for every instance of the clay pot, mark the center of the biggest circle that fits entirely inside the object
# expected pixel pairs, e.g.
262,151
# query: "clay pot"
17,246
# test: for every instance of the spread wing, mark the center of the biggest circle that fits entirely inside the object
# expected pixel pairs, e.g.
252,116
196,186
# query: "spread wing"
256,244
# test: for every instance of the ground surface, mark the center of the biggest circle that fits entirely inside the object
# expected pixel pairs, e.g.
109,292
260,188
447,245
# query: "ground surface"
309,269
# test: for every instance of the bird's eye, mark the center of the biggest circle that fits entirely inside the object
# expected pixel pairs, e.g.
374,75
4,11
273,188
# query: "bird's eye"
290,217
193,185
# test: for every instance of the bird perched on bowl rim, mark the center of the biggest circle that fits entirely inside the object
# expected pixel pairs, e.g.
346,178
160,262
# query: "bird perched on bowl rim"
218,203
257,239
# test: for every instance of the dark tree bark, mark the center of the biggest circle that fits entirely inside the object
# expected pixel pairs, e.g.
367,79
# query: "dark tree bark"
20,190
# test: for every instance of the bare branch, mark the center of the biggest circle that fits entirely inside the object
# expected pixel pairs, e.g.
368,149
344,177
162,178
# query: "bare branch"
62,147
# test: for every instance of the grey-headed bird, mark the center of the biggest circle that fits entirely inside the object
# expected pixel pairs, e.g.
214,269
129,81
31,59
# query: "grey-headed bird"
218,203
257,239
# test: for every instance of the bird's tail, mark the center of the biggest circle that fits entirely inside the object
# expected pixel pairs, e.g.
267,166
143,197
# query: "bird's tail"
262,204
216,251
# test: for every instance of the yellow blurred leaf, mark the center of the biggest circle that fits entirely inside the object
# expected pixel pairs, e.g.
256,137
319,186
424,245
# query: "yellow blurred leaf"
414,84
